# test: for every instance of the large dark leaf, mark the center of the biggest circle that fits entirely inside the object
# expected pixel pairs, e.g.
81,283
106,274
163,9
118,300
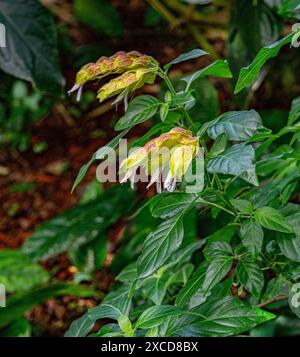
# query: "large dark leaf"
31,51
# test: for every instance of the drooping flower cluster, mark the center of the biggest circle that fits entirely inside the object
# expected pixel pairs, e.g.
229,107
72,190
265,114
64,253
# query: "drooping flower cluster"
135,68
165,158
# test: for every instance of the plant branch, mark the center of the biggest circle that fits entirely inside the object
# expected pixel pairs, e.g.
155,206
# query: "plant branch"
268,302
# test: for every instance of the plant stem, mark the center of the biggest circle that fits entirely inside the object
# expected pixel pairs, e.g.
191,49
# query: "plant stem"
268,302
181,108
218,206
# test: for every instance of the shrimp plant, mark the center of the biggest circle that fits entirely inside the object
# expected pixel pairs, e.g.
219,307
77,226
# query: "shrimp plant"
216,250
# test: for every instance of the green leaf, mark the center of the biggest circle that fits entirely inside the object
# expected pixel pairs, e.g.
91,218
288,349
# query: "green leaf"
252,236
114,305
250,275
250,73
155,315
164,110
159,245
79,225
186,57
217,249
235,161
219,68
217,269
155,287
290,8
289,244
243,206
219,146
18,304
185,99
31,49
18,273
238,126
82,172
219,317
139,110
101,15
223,234
276,287
128,274
168,205
192,286
272,219
100,154
294,114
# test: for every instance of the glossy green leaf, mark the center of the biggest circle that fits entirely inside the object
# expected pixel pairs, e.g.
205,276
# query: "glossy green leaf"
252,236
115,304
250,73
155,287
139,110
219,317
250,275
192,286
236,160
187,56
238,126
219,146
217,269
155,315
272,219
219,68
243,206
159,245
168,205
